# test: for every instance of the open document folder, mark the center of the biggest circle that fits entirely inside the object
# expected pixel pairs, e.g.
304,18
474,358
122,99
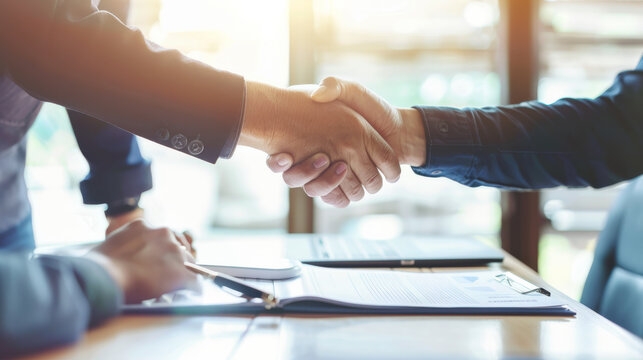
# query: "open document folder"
357,291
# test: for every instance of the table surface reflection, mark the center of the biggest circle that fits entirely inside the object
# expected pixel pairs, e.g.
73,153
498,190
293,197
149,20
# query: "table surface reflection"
587,335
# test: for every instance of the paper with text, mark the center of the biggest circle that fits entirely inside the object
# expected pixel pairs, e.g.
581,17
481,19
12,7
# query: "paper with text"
318,289
406,289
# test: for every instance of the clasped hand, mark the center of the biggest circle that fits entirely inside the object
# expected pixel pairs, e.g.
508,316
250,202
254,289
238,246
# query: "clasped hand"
324,173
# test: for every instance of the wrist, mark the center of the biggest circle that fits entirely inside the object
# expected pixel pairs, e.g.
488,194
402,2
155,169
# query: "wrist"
258,130
112,268
412,138
114,222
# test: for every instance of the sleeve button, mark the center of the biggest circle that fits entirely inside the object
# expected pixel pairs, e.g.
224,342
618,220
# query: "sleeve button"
443,127
196,147
436,172
179,141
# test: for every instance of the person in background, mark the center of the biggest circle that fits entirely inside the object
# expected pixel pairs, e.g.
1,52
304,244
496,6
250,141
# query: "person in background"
87,60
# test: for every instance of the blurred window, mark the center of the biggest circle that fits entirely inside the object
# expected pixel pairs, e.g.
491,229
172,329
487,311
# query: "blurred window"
413,52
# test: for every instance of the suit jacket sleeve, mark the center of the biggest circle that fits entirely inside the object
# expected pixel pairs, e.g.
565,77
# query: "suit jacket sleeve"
116,168
67,52
51,300
572,142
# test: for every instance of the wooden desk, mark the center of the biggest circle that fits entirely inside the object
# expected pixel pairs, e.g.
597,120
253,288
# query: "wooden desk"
588,335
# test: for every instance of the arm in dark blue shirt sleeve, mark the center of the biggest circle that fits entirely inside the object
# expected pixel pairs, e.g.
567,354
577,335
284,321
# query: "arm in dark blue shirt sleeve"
51,300
116,168
572,142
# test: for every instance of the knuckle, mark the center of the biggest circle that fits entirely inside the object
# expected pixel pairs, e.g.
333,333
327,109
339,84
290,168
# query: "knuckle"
355,192
332,199
356,88
331,81
373,181
173,248
336,199
344,146
342,203
333,196
351,152
165,232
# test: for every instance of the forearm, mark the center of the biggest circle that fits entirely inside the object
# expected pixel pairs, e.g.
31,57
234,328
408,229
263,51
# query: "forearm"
117,170
261,108
573,142
90,62
50,301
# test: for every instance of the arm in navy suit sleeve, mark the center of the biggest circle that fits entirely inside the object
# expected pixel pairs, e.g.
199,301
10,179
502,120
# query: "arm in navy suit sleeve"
70,53
572,142
51,300
116,168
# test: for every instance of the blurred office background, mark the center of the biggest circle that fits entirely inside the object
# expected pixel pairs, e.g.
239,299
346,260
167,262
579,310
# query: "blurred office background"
439,52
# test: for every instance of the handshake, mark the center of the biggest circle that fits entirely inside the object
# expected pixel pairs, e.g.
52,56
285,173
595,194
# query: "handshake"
333,139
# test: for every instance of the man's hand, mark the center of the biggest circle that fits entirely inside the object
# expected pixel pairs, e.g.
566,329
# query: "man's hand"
116,222
144,262
317,176
289,121
402,128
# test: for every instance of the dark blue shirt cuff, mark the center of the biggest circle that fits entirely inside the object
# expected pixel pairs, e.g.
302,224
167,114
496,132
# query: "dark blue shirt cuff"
450,144
110,185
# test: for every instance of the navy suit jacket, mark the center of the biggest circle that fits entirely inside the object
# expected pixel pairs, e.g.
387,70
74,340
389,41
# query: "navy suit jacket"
70,53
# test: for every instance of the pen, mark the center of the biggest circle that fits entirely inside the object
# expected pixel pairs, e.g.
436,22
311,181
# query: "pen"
229,282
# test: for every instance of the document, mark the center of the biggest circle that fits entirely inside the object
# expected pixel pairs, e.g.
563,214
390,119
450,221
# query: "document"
328,290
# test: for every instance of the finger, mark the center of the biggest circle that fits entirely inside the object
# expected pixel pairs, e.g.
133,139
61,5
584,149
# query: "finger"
336,198
367,174
190,239
329,180
279,163
327,91
187,256
379,115
383,156
183,242
306,170
352,187
370,105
